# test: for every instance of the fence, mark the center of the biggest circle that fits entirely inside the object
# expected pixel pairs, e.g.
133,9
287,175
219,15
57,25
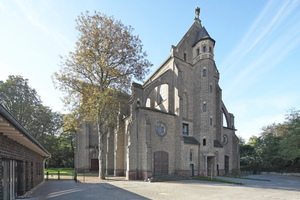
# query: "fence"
81,177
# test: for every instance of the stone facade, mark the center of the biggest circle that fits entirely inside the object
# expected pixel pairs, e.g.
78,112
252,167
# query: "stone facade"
174,124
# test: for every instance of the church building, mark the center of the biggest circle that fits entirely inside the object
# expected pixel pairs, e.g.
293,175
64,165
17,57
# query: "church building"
174,121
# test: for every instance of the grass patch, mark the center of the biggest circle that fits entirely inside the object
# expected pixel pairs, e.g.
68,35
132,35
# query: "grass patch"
62,171
204,178
255,179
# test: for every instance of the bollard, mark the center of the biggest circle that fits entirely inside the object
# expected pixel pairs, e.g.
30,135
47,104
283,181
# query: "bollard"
47,176
58,175
75,176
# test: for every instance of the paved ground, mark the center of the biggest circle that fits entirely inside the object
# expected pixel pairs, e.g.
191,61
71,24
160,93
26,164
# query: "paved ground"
280,187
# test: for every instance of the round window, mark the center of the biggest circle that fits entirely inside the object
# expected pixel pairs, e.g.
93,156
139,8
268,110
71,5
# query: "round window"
161,129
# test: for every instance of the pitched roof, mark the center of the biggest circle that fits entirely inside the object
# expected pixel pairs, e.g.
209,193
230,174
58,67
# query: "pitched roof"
190,140
201,34
11,128
217,144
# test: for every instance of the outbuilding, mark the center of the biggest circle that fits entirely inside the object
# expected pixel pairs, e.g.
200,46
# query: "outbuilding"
21,156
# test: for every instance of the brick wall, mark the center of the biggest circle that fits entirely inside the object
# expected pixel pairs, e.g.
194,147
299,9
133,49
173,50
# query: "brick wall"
12,150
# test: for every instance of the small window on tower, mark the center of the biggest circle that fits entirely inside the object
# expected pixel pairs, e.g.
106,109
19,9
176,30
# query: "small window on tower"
210,88
198,51
184,56
204,107
204,72
204,48
191,155
185,129
210,121
204,142
210,49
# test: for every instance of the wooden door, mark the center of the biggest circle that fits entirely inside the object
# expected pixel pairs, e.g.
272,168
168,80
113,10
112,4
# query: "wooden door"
161,161
94,164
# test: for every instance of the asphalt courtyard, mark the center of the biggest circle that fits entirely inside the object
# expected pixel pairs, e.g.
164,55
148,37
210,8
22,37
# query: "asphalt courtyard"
280,187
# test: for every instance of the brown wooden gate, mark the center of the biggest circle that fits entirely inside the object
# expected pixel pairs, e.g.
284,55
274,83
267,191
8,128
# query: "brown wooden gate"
161,161
94,164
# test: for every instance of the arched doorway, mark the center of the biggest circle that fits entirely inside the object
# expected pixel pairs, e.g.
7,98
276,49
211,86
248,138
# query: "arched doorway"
161,163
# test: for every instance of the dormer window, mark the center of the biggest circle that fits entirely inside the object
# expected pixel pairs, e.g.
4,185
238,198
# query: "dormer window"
184,56
204,48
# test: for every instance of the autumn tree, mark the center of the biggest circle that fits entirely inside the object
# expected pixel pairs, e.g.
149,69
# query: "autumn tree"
106,58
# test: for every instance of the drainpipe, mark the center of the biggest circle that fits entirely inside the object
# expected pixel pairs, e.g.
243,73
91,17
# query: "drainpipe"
44,165
199,156
137,138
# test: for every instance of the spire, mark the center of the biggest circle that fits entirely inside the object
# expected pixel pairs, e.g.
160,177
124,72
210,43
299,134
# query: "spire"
197,12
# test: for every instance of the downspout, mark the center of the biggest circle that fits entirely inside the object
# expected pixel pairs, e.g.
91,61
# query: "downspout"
137,139
199,156
44,165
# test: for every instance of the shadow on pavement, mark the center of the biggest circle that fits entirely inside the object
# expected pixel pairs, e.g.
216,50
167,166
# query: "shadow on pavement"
72,190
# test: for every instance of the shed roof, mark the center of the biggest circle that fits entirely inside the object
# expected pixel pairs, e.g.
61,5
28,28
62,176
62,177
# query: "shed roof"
190,140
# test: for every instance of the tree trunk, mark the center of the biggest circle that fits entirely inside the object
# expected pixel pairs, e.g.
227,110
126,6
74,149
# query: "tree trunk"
100,156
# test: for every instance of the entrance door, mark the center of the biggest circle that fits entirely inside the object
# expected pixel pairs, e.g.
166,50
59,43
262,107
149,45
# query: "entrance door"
94,164
161,161
191,170
226,164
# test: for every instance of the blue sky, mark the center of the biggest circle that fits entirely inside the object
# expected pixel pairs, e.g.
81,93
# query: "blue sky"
257,47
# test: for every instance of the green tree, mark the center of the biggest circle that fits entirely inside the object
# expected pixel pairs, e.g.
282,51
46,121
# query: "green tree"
290,143
106,59
23,102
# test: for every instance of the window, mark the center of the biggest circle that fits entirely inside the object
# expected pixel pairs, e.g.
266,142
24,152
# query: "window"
185,130
210,88
210,49
204,142
204,107
204,48
204,72
210,121
162,93
184,56
191,155
148,103
198,51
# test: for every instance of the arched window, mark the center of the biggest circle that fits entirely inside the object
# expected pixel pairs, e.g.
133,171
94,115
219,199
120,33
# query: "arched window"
204,142
204,107
204,72
162,93
204,48
191,155
198,51
148,102
184,56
